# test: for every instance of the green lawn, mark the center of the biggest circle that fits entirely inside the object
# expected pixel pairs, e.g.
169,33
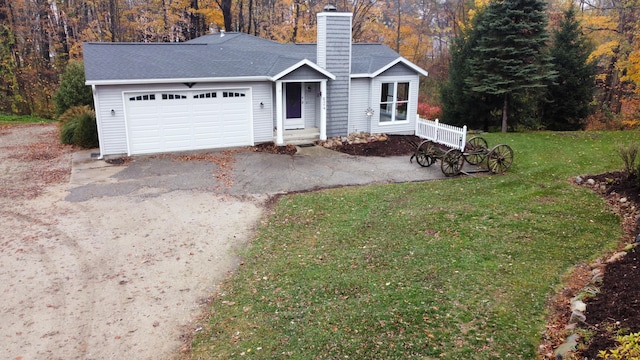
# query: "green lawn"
24,119
453,269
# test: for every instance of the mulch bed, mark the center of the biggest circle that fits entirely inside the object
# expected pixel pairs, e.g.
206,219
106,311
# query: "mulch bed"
617,306
396,145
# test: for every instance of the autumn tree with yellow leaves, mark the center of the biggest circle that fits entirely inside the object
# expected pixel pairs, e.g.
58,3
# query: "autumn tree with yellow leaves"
39,37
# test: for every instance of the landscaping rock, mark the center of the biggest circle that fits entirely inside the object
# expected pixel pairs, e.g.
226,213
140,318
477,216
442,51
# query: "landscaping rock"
563,350
617,256
577,317
578,305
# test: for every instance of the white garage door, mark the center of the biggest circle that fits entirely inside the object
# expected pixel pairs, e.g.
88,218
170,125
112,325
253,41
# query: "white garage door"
187,120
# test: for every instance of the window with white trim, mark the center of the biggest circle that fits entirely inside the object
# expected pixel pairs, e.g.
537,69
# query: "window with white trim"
394,102
145,97
233,94
173,96
206,95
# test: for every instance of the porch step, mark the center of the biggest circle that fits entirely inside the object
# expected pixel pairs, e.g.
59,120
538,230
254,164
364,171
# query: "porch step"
301,137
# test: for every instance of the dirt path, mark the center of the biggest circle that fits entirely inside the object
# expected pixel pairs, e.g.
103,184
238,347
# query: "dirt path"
112,277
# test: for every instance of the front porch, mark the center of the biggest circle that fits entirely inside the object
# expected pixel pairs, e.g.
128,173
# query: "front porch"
299,136
300,111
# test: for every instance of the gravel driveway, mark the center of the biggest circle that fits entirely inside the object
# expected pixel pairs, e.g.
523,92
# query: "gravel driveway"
114,262
107,274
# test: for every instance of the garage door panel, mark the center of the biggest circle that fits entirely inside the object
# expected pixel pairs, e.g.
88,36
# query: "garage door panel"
175,129
188,120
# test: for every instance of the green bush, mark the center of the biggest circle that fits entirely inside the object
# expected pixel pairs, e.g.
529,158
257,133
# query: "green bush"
67,130
72,91
75,112
78,127
86,134
628,154
628,348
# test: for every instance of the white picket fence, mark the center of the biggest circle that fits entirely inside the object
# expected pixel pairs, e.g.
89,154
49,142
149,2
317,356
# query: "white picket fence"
448,135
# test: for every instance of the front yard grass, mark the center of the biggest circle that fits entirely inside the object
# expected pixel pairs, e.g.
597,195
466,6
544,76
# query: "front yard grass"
453,269
22,119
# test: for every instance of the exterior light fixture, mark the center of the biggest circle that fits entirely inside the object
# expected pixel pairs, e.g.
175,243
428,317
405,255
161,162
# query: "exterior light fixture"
369,112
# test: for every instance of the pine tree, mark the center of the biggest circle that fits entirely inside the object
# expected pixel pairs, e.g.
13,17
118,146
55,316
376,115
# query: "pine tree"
569,96
461,106
510,56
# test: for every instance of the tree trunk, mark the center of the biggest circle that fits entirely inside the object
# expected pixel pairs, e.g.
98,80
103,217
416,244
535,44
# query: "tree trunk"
240,16
250,13
294,36
226,14
398,28
505,110
115,20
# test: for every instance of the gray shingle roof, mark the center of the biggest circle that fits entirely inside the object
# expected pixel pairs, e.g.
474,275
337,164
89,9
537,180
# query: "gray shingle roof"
234,55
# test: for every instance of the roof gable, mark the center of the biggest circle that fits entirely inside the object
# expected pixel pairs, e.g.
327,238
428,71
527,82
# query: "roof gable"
302,65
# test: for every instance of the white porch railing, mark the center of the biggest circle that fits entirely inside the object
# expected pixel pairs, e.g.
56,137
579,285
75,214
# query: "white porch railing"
448,135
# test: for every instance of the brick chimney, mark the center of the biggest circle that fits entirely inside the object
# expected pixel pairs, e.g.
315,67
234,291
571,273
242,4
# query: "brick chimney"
334,55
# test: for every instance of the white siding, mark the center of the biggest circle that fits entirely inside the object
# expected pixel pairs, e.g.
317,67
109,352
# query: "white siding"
402,128
398,70
359,102
304,73
112,128
262,114
113,132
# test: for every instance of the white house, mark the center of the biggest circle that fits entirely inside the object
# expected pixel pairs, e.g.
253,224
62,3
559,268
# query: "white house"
233,89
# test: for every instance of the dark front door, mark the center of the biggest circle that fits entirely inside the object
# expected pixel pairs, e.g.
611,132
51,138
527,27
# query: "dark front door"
293,106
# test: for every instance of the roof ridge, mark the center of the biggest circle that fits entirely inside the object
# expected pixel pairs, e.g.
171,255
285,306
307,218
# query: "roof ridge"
141,43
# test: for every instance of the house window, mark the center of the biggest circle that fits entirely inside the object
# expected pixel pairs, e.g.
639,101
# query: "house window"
394,102
232,94
173,96
143,97
207,95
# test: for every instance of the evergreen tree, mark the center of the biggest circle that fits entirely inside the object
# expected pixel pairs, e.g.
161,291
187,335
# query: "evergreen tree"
568,98
461,106
510,57
72,90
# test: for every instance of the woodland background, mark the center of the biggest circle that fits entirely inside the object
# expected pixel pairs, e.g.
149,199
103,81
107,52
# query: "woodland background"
38,38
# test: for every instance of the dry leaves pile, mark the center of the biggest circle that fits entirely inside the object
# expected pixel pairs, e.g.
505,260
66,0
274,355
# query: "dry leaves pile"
29,168
224,159
272,148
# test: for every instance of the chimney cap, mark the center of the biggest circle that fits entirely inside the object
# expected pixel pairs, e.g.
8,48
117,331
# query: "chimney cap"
330,8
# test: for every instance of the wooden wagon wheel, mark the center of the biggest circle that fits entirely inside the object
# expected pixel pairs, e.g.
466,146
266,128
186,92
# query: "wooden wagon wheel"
500,158
476,150
425,153
452,162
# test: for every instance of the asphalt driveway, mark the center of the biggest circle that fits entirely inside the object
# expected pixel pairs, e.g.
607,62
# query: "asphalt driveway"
252,173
